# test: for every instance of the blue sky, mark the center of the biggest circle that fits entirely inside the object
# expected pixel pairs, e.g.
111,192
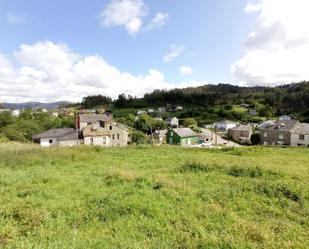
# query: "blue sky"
210,36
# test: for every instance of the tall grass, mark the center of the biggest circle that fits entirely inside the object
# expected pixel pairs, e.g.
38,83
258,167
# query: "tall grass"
153,197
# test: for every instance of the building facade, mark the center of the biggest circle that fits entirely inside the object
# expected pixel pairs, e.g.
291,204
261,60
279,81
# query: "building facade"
182,136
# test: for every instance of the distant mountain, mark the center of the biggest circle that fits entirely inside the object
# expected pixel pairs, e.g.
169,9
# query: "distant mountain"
36,105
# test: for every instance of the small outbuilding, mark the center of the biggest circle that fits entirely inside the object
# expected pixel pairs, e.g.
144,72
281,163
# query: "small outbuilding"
59,137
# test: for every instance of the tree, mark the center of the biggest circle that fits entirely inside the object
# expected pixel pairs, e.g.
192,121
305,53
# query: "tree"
139,137
190,122
5,118
144,123
255,139
95,101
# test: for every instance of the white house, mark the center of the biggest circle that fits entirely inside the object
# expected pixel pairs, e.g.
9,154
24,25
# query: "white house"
285,118
141,112
300,135
60,137
172,122
224,125
16,113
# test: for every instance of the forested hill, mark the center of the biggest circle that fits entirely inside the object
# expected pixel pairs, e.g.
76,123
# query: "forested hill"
290,98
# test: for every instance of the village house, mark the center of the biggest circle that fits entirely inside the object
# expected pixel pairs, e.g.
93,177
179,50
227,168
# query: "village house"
160,136
90,129
178,108
224,125
241,133
244,105
300,135
182,136
285,118
277,132
16,112
151,111
99,129
162,110
252,112
172,122
141,112
59,137
5,110
205,137
55,114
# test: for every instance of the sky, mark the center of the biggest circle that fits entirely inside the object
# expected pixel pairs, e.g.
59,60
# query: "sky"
66,50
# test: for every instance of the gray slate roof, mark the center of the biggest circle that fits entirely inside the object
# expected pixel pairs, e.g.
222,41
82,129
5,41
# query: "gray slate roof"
242,127
184,132
60,134
226,122
301,128
85,118
281,125
169,119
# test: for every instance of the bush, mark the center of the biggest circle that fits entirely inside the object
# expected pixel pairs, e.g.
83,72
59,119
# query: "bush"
255,139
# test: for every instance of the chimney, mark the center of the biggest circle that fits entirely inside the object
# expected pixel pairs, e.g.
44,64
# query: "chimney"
77,127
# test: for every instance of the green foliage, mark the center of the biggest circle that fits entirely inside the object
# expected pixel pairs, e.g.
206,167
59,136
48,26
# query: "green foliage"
139,137
96,101
190,122
5,118
255,139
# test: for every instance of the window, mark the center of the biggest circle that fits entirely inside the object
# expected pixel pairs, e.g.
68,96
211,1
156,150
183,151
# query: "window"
91,141
265,134
102,124
301,137
89,123
118,136
113,137
110,127
50,141
280,136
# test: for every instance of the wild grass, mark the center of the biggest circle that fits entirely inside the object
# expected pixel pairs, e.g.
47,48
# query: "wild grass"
146,197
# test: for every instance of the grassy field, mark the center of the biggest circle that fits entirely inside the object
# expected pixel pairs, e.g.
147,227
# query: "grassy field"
144,197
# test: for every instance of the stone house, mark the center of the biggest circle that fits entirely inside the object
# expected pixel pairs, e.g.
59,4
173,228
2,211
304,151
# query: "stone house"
160,136
241,133
90,129
277,132
300,135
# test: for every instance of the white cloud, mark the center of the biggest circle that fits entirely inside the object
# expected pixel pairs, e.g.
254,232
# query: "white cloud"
16,18
158,21
50,72
185,70
175,51
126,13
278,47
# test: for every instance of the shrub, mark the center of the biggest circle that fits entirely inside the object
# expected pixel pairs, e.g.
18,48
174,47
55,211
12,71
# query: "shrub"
255,139
273,191
195,167
245,172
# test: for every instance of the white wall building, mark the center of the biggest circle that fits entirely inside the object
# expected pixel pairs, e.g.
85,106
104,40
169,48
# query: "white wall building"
224,125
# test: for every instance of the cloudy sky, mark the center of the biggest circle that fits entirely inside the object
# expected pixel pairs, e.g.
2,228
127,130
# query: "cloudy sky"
68,49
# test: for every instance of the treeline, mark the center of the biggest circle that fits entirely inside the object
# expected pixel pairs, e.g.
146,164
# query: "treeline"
291,98
22,128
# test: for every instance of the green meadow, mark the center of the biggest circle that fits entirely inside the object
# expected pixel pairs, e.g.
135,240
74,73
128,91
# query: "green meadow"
153,197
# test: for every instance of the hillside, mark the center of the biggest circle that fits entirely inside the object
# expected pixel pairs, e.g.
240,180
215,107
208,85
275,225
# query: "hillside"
146,197
36,105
